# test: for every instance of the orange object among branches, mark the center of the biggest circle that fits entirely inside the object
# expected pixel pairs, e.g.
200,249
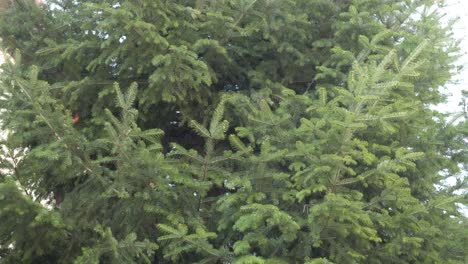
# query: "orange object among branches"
76,118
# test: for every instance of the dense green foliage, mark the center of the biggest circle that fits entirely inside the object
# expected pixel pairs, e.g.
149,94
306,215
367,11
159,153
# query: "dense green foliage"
215,131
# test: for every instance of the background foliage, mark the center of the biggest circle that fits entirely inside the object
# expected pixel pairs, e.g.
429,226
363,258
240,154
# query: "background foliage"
212,131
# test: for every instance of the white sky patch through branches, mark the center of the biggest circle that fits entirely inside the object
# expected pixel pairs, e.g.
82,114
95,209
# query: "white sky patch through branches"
457,9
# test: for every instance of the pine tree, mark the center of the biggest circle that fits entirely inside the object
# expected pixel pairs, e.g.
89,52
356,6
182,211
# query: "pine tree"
245,131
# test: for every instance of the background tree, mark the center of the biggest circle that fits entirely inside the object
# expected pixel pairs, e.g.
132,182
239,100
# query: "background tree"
247,131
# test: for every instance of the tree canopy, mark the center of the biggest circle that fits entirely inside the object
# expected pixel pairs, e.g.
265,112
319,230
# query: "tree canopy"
241,131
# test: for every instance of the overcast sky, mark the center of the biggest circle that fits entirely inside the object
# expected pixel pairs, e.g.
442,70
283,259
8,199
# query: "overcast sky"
458,8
